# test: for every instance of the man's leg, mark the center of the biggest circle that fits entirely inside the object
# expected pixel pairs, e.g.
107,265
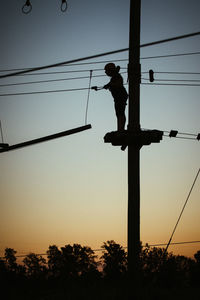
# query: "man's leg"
121,121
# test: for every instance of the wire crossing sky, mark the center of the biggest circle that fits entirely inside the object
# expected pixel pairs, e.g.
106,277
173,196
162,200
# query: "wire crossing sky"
74,190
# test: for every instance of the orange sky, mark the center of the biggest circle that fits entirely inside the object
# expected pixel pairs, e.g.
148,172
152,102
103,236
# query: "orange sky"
74,189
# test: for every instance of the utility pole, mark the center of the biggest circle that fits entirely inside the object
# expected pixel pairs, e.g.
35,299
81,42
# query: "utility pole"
135,139
134,75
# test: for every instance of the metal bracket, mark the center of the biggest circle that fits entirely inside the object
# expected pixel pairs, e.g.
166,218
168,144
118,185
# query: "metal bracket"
138,138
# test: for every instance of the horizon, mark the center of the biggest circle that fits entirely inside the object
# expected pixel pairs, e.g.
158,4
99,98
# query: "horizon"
74,189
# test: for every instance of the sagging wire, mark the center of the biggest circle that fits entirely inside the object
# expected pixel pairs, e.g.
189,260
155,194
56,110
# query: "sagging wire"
27,7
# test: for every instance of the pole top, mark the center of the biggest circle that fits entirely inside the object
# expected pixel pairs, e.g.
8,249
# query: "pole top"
138,138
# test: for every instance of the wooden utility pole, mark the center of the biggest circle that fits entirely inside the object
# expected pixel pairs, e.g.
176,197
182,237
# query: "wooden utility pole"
134,138
134,74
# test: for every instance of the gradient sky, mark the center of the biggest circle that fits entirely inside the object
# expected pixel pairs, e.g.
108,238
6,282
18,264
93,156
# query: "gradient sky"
74,189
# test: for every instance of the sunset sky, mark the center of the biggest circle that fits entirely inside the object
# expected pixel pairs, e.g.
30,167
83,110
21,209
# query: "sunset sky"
74,189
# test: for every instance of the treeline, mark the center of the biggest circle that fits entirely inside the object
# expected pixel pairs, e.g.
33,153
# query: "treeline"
74,264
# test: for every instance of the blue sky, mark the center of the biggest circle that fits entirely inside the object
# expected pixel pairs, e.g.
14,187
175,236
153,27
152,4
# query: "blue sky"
75,189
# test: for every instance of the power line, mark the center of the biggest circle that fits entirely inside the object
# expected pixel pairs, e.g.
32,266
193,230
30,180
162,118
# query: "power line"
100,250
88,97
177,132
95,76
173,73
184,135
175,243
171,84
57,72
182,138
178,73
179,80
82,89
174,80
70,65
171,55
193,184
171,39
48,81
43,92
100,55
1,130
63,63
107,61
54,80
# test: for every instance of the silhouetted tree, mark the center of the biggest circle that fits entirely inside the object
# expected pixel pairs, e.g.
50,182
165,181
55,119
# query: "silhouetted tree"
195,276
35,266
11,259
165,269
77,264
72,262
3,271
54,256
114,260
157,266
197,257
184,266
11,272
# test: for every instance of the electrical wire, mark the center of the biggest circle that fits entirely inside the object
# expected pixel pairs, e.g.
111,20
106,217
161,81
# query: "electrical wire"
48,81
60,72
82,89
100,55
182,133
57,72
171,55
108,61
191,189
63,63
178,73
171,84
182,138
88,97
1,129
86,77
53,80
100,250
192,136
43,92
174,80
175,38
71,65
